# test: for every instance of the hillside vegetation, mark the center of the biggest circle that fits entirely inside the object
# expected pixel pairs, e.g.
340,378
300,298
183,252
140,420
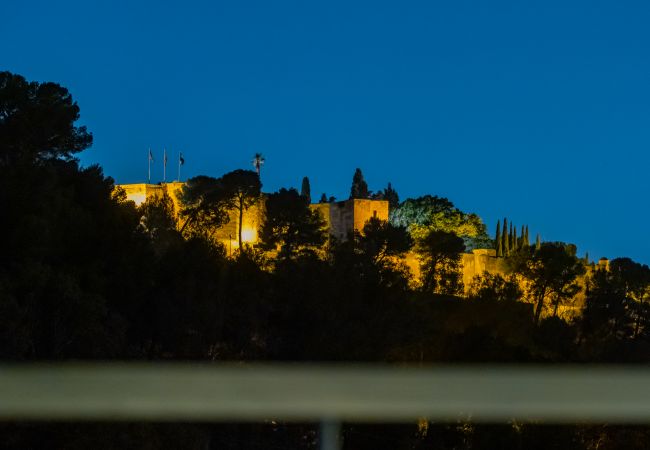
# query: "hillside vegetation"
86,275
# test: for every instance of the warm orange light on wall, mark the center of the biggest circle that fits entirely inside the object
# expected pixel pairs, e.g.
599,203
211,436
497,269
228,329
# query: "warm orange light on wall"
248,235
138,198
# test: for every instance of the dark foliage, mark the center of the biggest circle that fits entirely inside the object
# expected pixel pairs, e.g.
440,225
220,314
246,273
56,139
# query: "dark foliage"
290,224
37,122
305,190
359,186
440,253
87,275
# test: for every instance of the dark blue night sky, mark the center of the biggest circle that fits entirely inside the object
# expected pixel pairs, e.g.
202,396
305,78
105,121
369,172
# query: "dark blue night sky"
538,112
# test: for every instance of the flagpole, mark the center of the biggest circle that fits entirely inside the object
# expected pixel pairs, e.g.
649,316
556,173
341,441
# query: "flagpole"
149,160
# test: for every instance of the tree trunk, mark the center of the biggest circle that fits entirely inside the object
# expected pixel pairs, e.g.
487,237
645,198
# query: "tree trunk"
185,224
540,305
241,217
637,324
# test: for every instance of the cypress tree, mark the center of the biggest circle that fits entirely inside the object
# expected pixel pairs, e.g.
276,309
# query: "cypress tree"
499,245
305,190
538,242
515,245
526,241
510,247
506,241
390,194
323,198
359,186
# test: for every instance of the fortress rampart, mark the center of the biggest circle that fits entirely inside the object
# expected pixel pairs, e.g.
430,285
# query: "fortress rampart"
342,218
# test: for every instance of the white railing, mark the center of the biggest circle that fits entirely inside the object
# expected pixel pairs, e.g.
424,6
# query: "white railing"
329,394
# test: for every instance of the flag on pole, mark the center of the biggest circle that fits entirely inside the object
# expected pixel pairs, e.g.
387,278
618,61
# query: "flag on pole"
149,163
164,165
181,161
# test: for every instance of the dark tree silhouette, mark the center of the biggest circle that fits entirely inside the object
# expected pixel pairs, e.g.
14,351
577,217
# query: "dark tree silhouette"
495,287
440,253
204,205
359,186
390,194
616,304
84,274
290,223
158,221
305,190
505,239
243,189
499,241
381,240
552,271
37,122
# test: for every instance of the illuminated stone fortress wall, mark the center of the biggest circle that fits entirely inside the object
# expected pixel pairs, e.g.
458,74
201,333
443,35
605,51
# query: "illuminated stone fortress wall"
341,218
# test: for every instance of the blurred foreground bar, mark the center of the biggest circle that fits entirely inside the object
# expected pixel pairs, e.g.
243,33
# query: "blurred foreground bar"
235,393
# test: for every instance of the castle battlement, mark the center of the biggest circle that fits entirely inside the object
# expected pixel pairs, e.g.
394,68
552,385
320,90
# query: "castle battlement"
341,218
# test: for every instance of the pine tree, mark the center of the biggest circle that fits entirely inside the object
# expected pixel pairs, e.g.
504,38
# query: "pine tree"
359,186
538,242
499,245
505,239
305,190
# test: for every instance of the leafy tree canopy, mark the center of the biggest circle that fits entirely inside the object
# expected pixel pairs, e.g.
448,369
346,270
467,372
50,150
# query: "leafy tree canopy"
432,213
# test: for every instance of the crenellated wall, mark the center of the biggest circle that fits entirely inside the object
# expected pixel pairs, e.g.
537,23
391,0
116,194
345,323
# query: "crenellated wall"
341,218
227,234
479,261
473,264
352,215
